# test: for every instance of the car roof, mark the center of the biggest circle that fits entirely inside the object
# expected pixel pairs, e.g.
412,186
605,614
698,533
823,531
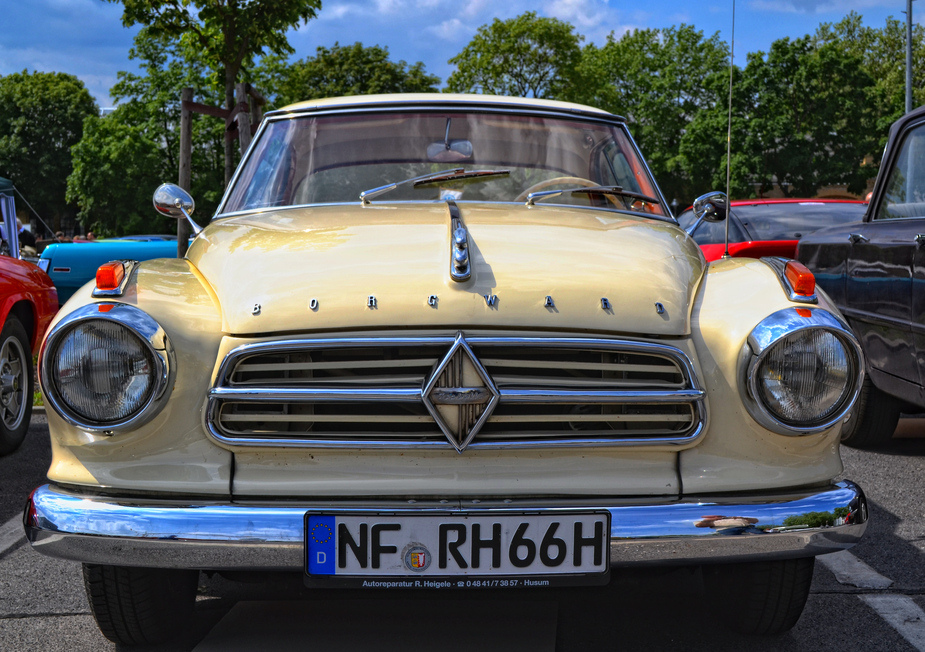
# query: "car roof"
757,202
445,99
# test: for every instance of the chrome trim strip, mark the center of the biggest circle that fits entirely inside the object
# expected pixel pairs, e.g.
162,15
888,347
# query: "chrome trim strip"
147,330
770,331
130,267
218,534
460,266
779,265
221,392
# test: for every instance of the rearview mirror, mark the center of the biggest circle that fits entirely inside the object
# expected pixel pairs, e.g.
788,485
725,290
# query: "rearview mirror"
171,200
450,151
711,207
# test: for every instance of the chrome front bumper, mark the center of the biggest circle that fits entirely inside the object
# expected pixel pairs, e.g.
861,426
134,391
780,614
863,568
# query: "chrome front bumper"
263,536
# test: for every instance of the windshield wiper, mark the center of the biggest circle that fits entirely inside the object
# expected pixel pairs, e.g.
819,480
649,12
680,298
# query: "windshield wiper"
434,177
593,190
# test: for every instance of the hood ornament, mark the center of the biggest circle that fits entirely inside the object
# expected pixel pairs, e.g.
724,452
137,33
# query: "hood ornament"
460,267
460,395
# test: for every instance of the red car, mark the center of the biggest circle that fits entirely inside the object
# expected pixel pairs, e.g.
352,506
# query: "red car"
28,302
769,227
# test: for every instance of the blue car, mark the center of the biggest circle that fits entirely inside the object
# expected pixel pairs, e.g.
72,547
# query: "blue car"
71,265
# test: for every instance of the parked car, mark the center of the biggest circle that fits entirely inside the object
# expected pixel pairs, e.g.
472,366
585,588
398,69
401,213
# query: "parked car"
445,342
768,227
28,303
873,269
73,265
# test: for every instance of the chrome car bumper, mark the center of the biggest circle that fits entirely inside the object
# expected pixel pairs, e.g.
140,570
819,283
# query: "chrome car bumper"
263,536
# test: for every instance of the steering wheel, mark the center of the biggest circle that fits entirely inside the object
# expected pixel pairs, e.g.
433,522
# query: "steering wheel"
556,181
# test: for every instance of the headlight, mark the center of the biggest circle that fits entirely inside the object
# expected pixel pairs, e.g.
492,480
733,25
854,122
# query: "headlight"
804,371
104,366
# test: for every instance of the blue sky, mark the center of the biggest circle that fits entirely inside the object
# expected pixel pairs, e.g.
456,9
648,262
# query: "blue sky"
86,37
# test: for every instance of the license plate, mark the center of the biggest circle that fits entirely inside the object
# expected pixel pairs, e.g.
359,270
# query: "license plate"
457,550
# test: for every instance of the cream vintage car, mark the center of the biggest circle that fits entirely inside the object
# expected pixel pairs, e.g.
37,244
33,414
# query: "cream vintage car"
449,343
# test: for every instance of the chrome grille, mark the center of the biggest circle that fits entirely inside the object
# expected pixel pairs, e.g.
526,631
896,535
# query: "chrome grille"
367,392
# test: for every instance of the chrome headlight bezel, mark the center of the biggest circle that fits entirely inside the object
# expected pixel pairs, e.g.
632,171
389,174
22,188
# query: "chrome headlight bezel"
151,335
769,332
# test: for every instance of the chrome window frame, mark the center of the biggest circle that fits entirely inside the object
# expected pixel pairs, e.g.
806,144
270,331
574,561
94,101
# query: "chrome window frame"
151,334
771,330
532,111
219,392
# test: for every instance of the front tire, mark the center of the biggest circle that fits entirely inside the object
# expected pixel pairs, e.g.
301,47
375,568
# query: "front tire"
874,420
140,606
16,385
764,598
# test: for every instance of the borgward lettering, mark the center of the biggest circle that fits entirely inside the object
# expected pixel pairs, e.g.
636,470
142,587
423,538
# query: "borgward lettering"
491,300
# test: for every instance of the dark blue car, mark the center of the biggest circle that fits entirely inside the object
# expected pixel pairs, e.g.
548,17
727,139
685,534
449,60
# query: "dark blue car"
874,270
72,265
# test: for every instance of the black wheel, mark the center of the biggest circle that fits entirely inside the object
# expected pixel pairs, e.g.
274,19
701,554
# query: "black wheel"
764,598
16,385
138,606
874,420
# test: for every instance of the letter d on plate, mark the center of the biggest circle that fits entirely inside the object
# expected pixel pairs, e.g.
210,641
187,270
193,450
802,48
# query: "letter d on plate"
321,546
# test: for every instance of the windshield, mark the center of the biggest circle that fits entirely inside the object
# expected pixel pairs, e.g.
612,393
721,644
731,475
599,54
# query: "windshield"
315,159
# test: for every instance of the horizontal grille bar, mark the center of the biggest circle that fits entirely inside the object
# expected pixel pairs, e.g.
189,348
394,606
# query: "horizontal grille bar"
430,392
311,395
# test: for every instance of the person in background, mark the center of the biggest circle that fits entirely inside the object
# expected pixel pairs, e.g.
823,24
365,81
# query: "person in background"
26,238
91,236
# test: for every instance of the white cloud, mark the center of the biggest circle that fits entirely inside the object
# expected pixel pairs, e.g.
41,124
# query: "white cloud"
453,30
583,14
818,6
389,6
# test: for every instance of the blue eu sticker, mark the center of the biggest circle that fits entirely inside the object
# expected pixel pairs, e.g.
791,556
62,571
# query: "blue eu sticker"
322,550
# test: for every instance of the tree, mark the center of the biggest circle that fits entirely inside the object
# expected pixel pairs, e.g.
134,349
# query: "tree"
341,70
655,78
228,33
809,119
883,55
124,157
41,117
114,167
526,56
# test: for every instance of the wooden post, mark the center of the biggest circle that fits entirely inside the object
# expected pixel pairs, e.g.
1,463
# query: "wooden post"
186,161
243,118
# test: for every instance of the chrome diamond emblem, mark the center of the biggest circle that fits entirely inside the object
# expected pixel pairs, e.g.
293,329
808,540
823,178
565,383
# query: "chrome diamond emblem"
460,395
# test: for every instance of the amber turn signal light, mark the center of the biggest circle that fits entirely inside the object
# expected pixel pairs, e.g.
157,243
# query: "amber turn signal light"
109,276
801,279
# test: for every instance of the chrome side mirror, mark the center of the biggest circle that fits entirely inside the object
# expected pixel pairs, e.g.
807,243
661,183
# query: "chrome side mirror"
711,207
171,200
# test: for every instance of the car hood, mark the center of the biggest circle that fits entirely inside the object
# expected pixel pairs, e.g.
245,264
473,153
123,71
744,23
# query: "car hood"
381,265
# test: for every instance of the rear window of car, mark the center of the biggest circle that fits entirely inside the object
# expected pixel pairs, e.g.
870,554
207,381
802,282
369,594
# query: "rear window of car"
791,221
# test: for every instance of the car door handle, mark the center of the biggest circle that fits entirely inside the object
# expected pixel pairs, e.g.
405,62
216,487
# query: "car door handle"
855,238
920,239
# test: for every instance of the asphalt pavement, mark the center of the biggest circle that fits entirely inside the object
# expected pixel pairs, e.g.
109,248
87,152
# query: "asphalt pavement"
870,598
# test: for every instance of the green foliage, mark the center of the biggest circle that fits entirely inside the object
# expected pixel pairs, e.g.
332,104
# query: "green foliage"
655,78
341,70
811,519
41,116
227,33
526,56
126,155
882,52
114,166
809,119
